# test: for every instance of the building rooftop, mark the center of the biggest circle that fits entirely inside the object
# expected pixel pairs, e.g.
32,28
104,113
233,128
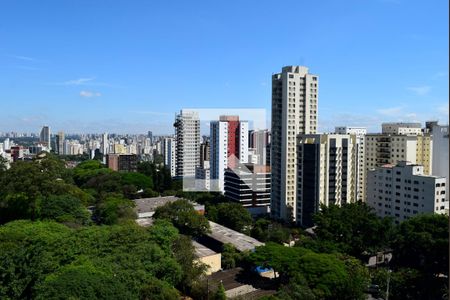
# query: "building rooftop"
239,240
201,250
147,205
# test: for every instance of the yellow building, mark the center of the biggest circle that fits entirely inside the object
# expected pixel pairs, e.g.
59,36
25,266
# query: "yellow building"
208,257
120,149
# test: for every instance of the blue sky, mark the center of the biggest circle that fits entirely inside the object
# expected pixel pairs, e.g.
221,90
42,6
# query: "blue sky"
128,66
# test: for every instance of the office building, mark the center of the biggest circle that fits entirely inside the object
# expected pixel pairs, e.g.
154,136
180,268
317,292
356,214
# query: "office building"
169,154
403,190
204,153
259,141
122,162
440,153
44,137
294,112
59,143
325,174
229,147
187,140
203,177
105,144
360,167
399,128
249,185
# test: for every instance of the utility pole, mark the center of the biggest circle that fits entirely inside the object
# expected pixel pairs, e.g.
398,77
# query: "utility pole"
387,285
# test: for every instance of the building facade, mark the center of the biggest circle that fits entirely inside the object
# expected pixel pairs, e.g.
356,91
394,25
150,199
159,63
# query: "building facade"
259,141
187,141
294,112
122,162
229,147
59,143
402,191
169,155
360,166
249,185
384,149
440,153
44,137
326,173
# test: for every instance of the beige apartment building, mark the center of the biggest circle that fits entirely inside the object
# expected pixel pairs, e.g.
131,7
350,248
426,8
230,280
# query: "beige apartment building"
294,112
389,149
326,174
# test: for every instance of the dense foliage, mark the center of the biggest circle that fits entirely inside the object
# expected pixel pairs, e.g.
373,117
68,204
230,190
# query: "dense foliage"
319,275
47,260
183,216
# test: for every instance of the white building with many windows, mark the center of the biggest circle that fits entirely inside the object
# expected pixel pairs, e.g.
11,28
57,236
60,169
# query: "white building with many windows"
403,190
169,154
294,111
187,140
228,148
360,152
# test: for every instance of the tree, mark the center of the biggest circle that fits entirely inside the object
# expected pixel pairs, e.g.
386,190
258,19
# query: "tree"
47,260
114,210
354,228
232,215
327,276
220,293
230,256
191,269
422,243
22,185
158,290
65,209
82,282
140,181
87,170
265,230
184,217
29,251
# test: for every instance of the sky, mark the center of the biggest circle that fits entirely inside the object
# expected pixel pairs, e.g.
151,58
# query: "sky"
128,66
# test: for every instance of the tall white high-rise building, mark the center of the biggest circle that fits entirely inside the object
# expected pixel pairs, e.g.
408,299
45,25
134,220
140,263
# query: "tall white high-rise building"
187,140
326,173
294,112
229,146
105,144
44,137
360,167
169,154
59,143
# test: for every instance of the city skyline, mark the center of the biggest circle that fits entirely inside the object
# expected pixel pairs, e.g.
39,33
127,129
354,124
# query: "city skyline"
206,55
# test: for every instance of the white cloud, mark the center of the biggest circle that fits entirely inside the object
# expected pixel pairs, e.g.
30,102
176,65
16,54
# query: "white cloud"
27,58
79,81
89,94
420,90
391,111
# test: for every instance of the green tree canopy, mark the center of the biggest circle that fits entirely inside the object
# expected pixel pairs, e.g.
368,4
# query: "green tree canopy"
327,276
43,259
65,209
114,210
183,216
232,215
354,227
